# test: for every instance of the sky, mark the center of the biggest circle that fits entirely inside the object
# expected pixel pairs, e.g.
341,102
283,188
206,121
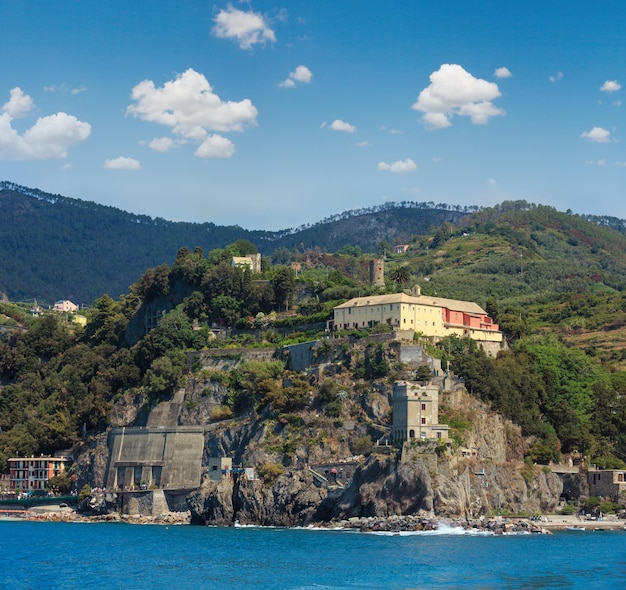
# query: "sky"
271,115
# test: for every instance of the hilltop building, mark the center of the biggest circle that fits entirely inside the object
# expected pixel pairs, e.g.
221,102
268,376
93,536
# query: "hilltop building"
64,305
33,473
252,261
416,412
430,316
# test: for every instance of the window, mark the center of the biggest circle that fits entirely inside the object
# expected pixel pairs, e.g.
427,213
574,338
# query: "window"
423,420
412,433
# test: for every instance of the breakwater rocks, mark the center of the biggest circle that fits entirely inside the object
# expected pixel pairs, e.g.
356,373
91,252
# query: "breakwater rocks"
416,523
69,515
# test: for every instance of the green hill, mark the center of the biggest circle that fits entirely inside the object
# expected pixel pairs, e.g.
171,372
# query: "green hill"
54,247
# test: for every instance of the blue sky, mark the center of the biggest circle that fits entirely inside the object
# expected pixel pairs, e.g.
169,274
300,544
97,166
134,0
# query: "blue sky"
271,115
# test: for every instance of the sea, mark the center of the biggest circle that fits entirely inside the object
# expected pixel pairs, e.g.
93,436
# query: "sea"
55,555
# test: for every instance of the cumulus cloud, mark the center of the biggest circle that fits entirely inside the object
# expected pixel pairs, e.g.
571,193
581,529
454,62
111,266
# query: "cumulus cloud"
399,167
610,86
122,163
19,105
454,91
161,144
301,74
597,135
215,146
50,137
339,125
556,78
191,109
246,28
502,73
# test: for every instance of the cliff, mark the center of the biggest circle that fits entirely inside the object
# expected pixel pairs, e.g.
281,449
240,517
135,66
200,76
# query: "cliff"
329,417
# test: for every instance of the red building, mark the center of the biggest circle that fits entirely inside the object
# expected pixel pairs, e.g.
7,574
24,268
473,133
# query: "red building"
33,473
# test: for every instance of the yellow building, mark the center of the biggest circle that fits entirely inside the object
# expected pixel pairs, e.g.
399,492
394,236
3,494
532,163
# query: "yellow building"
431,316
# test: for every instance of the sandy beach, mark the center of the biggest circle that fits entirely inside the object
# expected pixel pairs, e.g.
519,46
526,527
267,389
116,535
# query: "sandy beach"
559,521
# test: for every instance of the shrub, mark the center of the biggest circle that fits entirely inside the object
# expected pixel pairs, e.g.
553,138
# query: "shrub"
221,413
270,472
85,492
361,445
609,507
333,409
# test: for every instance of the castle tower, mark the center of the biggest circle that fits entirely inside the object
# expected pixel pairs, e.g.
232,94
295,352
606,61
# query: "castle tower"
377,272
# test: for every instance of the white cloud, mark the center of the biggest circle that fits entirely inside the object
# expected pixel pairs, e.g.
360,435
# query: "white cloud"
192,110
597,135
454,91
215,146
48,138
247,28
19,104
161,144
362,144
556,78
122,163
601,162
339,125
610,86
399,167
301,74
502,73
63,89
617,103
621,164
492,182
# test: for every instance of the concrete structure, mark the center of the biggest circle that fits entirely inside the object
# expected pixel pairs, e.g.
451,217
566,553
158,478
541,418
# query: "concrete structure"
416,412
608,483
400,248
430,316
218,466
64,305
252,261
33,473
377,272
161,457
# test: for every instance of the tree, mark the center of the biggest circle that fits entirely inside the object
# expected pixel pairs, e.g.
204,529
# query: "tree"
284,285
401,275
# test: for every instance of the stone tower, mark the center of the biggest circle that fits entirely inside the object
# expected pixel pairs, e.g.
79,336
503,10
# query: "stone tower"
377,272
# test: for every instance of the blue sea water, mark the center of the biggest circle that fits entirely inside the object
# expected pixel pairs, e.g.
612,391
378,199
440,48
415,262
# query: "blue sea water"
105,556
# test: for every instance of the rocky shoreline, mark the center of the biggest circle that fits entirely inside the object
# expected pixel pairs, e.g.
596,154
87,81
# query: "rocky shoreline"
384,525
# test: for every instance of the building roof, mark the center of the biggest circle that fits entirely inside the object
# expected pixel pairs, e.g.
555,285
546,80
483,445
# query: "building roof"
453,304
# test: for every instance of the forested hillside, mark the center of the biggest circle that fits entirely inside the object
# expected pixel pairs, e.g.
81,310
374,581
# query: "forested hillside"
53,247
554,282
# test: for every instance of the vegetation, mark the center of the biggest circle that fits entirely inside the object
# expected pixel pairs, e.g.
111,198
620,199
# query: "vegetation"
555,283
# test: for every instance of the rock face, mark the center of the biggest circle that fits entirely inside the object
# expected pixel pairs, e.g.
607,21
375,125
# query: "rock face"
385,487
293,500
